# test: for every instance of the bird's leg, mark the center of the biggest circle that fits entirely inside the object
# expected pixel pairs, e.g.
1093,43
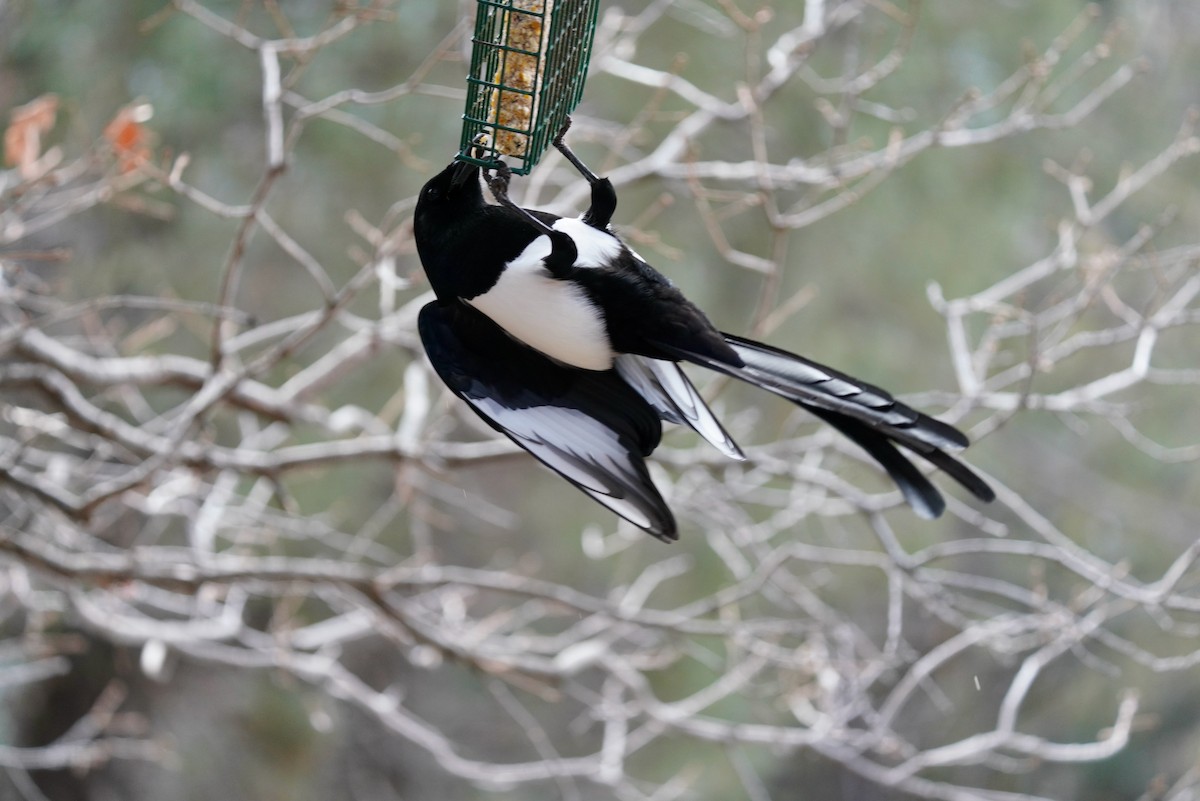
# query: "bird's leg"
604,197
498,183
560,143
563,252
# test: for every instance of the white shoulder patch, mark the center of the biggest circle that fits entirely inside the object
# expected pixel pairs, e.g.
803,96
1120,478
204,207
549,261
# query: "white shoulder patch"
595,247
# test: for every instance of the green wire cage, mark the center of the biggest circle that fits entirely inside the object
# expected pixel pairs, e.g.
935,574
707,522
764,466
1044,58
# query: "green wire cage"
529,60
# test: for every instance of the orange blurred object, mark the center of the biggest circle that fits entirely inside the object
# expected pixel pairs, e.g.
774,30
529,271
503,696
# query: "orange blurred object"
129,137
23,137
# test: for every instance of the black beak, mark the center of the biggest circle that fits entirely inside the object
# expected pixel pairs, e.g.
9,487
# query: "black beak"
461,172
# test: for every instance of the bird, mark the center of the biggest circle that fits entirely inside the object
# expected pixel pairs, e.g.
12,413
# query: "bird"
560,336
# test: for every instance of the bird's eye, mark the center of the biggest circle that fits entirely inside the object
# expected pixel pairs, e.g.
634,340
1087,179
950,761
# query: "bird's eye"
431,191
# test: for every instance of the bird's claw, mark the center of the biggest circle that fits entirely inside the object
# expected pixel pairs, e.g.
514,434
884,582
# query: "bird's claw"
558,140
499,181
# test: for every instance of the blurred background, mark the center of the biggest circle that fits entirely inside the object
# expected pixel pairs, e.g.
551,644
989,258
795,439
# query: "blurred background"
987,208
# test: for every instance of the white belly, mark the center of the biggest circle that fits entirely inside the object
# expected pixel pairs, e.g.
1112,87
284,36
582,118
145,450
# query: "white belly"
552,316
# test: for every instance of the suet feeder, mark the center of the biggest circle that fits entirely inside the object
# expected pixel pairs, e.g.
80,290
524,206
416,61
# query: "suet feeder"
529,61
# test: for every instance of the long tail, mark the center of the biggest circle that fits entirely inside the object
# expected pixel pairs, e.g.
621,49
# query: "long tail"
866,414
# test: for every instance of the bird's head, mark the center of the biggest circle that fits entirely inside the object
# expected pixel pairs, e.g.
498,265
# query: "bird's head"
452,192
445,211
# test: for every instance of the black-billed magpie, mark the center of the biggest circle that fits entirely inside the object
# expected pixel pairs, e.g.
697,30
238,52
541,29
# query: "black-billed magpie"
564,339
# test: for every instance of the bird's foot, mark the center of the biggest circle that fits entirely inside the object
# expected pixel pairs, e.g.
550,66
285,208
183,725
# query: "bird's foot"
498,181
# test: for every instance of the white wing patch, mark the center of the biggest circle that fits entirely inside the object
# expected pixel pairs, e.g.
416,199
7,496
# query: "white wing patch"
552,316
583,450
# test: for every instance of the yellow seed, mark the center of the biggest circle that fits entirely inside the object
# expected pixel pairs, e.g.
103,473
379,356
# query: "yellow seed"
519,71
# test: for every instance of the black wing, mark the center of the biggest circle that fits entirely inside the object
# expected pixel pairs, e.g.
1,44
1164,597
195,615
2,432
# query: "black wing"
589,427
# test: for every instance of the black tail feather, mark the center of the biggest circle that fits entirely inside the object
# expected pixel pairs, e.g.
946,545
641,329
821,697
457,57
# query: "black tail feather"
815,385
918,491
962,474
865,413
